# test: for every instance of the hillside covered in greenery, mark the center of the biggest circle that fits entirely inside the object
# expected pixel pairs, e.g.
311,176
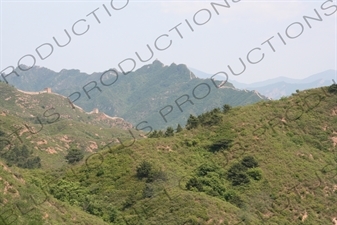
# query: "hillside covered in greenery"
272,162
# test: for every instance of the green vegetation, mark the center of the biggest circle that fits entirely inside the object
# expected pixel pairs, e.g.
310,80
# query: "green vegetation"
144,170
21,157
269,163
179,128
74,156
169,132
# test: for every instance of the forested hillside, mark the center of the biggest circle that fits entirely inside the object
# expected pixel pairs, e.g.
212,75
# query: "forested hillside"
271,162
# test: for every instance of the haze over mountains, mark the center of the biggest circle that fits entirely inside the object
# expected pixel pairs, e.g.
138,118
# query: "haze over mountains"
281,86
157,95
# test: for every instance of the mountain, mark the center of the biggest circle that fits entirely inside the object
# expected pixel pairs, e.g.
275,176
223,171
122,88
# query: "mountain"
282,86
160,95
271,162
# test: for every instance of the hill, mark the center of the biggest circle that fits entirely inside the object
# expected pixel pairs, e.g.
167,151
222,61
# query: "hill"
282,86
50,125
160,95
267,163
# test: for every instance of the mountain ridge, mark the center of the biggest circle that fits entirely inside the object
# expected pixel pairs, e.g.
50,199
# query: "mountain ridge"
140,95
272,87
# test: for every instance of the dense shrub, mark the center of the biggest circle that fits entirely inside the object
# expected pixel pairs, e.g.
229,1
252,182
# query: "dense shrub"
239,179
233,198
226,108
332,88
130,201
144,170
235,169
179,129
239,172
255,173
192,122
249,162
221,144
74,155
208,180
22,157
194,183
206,119
169,132
206,168
236,174
156,134
148,191
156,175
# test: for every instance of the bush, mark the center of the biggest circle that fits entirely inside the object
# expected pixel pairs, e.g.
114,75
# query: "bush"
249,162
220,144
130,201
21,157
210,118
240,178
215,184
74,155
148,191
169,132
206,168
179,129
144,170
237,168
156,175
113,215
194,183
332,88
256,174
234,199
226,108
237,174
192,122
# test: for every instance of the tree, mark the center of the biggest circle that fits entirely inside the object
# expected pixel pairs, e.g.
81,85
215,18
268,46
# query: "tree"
153,134
192,122
226,108
179,129
237,174
236,169
332,88
74,155
160,134
241,178
169,132
144,169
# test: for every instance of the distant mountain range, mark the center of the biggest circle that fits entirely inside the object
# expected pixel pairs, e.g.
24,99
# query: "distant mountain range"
281,86
147,94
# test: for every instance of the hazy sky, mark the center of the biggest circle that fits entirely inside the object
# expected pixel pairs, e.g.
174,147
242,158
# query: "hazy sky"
213,45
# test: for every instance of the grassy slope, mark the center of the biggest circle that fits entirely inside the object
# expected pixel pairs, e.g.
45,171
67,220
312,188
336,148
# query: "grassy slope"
297,159
74,128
